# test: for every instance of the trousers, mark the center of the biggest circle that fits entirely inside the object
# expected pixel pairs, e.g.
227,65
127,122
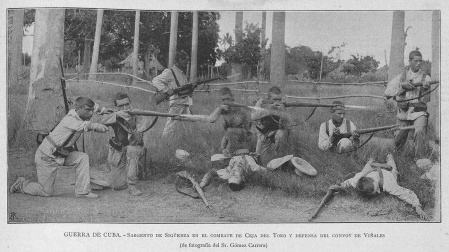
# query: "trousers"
125,165
272,145
176,109
47,167
400,136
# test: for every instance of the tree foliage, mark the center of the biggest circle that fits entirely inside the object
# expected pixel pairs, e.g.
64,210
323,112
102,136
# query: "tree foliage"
118,34
247,51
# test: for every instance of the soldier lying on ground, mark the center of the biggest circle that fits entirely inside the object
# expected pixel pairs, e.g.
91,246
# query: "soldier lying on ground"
57,150
370,182
330,132
237,123
272,131
126,146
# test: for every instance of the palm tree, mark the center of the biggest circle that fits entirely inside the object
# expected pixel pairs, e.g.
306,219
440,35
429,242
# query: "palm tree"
227,40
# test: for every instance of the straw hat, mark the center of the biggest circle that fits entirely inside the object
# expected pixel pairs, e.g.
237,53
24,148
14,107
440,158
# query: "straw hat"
181,154
302,166
277,162
217,157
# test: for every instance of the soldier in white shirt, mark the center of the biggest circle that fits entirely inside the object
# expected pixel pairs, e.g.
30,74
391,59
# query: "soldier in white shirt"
330,132
171,79
57,150
370,182
414,111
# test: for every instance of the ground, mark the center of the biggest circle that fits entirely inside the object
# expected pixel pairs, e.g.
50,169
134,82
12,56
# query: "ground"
160,202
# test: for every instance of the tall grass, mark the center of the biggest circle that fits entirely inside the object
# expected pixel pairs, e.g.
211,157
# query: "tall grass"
202,140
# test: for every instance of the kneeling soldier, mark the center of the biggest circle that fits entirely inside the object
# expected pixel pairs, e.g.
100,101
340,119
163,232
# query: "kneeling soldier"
57,150
330,132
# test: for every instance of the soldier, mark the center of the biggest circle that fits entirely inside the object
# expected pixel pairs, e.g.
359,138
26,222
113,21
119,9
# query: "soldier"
370,182
240,164
57,150
414,111
126,146
330,132
272,131
171,79
237,123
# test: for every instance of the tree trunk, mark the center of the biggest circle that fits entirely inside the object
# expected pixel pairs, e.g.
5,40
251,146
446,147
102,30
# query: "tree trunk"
136,45
194,57
277,69
397,45
45,106
15,48
86,55
238,26
435,73
93,66
173,38
263,30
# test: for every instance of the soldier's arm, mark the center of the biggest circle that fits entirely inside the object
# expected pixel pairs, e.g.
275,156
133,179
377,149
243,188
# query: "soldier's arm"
324,142
161,81
213,117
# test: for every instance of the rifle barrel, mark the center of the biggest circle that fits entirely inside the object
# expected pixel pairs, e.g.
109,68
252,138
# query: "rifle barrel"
375,129
149,113
307,104
417,84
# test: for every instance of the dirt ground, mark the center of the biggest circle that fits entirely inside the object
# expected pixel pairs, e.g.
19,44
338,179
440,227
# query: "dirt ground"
160,202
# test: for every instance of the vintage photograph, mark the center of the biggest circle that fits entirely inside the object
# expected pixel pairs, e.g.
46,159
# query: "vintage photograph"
144,116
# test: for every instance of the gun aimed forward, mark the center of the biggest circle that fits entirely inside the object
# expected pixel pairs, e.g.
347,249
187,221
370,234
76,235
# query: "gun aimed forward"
183,117
185,90
303,104
419,84
319,105
375,129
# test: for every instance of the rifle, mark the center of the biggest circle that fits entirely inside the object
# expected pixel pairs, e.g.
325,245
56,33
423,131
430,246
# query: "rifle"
419,84
318,105
186,175
324,201
186,89
63,86
299,104
371,130
182,117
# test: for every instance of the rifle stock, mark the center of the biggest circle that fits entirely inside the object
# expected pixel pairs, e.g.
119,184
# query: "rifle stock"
324,201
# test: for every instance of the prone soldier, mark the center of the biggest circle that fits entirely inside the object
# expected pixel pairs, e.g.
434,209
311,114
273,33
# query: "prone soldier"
373,181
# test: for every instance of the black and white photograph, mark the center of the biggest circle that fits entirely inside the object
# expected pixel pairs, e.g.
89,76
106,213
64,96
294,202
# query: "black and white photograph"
223,126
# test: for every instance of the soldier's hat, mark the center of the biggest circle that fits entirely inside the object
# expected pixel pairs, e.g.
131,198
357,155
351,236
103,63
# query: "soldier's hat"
302,166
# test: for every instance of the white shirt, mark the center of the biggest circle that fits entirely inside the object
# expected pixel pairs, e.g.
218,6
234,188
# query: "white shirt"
390,186
166,81
323,138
